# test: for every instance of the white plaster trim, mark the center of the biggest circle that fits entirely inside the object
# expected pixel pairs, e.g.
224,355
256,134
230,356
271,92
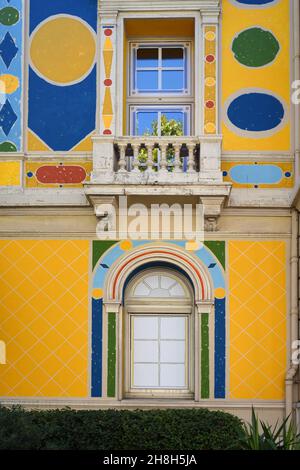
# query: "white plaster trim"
102,403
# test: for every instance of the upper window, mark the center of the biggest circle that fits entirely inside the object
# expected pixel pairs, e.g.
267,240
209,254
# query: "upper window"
159,69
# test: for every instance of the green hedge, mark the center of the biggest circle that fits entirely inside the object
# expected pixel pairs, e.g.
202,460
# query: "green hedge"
180,429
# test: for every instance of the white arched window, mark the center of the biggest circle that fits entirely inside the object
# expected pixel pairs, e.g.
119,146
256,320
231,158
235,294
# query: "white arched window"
159,325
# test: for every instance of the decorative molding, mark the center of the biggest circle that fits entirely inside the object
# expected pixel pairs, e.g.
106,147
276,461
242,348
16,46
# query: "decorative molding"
111,7
212,210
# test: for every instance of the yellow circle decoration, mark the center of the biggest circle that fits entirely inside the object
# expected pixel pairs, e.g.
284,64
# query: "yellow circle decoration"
63,50
210,127
210,36
8,84
210,81
97,293
220,293
126,245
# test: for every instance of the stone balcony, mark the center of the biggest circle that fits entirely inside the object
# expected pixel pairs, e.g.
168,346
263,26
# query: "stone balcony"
158,166
157,160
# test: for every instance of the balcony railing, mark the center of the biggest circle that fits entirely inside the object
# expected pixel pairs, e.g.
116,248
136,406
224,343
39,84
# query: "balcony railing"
160,160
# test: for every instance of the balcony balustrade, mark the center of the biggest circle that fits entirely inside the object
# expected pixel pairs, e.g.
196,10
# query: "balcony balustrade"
157,160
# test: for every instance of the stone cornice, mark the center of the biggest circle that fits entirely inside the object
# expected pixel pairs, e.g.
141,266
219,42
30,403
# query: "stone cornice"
112,7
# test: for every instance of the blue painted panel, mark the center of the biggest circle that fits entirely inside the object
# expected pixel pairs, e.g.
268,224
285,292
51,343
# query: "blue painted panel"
96,348
11,51
40,10
255,112
220,337
62,116
256,174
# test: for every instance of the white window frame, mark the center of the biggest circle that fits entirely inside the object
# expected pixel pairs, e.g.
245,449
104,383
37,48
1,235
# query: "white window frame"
132,79
159,362
162,307
159,108
163,99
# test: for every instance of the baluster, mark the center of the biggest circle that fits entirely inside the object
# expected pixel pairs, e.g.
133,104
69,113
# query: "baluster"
122,162
149,157
136,150
163,157
191,159
177,162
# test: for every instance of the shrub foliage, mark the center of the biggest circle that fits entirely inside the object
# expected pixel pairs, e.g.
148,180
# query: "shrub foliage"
172,429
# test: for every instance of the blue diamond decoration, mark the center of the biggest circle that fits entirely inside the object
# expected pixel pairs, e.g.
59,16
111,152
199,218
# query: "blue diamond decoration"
7,117
212,265
8,49
104,266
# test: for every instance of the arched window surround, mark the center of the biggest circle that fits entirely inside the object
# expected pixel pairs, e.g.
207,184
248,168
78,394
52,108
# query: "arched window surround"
113,298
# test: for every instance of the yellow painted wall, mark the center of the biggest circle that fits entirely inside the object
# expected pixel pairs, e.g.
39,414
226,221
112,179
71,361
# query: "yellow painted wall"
274,77
44,317
10,173
257,319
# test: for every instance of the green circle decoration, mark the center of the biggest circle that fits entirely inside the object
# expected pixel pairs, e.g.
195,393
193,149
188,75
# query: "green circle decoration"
7,147
9,16
255,47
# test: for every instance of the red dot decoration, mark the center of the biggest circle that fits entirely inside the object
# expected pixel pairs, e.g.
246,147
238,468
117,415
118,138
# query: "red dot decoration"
210,58
107,82
209,104
107,132
108,32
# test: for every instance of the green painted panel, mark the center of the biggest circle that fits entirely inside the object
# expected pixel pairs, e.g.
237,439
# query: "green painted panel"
204,356
255,47
100,247
218,249
111,355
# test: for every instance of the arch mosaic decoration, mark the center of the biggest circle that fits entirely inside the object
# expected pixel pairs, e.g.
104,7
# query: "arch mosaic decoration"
259,174
62,75
114,279
11,30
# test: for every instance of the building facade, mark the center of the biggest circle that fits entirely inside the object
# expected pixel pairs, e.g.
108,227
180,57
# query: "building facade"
120,123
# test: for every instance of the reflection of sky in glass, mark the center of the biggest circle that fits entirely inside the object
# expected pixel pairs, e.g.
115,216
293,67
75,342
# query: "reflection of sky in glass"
147,58
160,69
147,80
172,57
144,121
172,79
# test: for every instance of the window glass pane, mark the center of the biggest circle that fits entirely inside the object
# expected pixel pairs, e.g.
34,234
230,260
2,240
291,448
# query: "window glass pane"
172,351
152,281
172,80
145,375
144,122
142,290
145,328
147,80
172,328
172,57
167,282
147,57
176,291
172,375
172,116
146,351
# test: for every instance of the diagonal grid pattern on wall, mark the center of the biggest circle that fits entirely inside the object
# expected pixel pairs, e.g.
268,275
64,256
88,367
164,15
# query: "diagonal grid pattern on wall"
258,316
44,317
